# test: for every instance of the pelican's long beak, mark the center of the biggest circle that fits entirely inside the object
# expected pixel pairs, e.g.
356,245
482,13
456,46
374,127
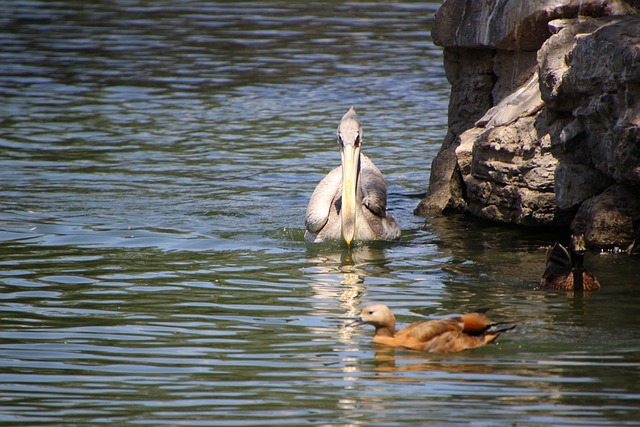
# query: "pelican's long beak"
350,162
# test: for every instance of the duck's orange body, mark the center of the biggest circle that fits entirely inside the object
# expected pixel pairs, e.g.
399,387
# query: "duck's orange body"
437,336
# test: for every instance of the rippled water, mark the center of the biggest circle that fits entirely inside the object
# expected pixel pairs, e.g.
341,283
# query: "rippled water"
155,165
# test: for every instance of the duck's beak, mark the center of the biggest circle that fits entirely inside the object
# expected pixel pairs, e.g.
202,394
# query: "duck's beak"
350,160
358,322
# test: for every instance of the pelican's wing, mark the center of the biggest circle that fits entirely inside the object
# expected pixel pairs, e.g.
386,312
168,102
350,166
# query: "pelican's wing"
373,187
325,193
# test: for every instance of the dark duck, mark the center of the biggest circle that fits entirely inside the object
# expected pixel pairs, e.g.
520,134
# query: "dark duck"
565,268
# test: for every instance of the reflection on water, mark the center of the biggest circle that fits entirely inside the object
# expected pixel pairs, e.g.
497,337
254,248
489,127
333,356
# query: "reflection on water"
350,267
156,162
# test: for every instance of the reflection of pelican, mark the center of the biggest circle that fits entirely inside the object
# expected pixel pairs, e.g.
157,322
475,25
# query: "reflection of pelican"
565,270
451,335
342,275
350,203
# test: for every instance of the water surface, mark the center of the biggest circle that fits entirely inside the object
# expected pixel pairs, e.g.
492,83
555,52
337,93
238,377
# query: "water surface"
156,161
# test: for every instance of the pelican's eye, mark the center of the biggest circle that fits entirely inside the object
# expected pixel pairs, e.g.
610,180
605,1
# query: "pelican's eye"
356,142
370,311
340,141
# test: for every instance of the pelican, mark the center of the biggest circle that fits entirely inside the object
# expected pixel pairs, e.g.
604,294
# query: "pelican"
350,203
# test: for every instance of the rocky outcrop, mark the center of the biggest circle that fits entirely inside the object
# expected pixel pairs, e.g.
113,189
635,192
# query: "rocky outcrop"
544,115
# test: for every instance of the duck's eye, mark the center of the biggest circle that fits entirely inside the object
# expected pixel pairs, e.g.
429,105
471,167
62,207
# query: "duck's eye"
370,311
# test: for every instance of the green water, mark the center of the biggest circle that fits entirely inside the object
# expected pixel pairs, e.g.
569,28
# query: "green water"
156,161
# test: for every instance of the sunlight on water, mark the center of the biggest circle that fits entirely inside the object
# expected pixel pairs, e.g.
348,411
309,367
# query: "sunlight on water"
156,163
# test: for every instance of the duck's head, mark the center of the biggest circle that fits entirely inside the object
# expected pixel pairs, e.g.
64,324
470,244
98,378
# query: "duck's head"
377,315
577,244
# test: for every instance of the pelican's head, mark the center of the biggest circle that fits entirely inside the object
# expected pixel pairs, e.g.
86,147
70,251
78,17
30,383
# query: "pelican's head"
349,139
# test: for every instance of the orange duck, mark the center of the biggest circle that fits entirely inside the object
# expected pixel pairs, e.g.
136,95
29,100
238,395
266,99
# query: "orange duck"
565,270
436,336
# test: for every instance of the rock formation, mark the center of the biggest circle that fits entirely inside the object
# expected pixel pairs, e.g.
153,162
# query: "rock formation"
544,115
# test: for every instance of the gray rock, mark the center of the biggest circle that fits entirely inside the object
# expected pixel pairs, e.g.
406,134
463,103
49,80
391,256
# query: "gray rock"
510,24
445,185
604,80
511,70
607,220
575,183
544,116
470,73
507,167
523,101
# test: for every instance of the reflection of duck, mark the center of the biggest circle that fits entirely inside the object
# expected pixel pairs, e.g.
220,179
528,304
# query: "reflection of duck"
565,270
350,203
437,336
